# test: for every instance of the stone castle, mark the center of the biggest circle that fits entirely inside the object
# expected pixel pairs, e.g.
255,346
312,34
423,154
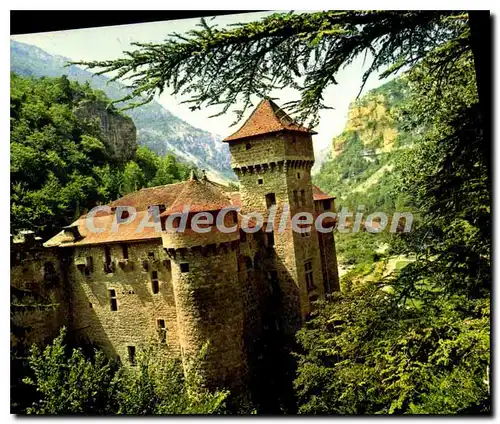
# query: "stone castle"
123,289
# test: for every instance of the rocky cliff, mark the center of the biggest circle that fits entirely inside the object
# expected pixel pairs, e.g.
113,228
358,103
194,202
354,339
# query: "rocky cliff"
118,131
157,128
359,164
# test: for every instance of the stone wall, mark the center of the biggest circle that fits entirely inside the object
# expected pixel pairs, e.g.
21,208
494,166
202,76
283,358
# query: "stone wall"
39,303
280,164
135,322
209,305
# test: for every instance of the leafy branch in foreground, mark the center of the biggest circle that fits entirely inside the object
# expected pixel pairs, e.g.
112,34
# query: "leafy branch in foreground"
224,67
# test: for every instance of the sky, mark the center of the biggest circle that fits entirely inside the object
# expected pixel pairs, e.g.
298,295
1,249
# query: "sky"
107,43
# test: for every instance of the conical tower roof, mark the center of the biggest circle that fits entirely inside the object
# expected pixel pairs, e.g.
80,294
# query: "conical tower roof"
201,196
267,118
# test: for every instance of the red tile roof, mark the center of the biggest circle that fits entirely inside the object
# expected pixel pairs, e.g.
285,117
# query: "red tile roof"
200,196
318,194
267,117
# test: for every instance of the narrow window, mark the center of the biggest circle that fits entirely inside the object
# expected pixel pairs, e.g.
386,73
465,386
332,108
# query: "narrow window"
155,285
298,175
309,275
112,300
303,197
90,304
167,265
248,146
49,272
294,139
260,181
125,251
270,200
270,239
107,259
131,355
274,282
327,204
162,330
184,267
296,197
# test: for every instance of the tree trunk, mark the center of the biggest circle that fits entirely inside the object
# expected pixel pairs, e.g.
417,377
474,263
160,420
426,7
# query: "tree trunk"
480,37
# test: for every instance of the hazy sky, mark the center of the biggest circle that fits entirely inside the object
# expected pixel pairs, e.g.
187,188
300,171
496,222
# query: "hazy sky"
109,43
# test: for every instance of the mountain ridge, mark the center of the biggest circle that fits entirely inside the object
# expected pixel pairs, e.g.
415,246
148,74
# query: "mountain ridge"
157,128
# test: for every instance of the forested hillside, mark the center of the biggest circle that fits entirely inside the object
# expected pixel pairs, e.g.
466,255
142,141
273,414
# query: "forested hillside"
407,336
157,128
63,162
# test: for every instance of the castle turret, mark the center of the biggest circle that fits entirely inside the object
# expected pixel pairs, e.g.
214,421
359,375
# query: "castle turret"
208,295
272,157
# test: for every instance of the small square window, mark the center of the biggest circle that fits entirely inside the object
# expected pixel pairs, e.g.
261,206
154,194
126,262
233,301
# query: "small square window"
151,255
260,181
248,146
184,267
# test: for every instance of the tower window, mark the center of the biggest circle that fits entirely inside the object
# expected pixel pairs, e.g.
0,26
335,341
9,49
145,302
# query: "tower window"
260,181
298,175
184,267
248,146
125,251
309,275
107,260
270,239
155,285
270,200
113,302
303,197
131,355
162,330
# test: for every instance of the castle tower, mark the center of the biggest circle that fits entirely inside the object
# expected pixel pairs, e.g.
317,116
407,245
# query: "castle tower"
272,157
207,291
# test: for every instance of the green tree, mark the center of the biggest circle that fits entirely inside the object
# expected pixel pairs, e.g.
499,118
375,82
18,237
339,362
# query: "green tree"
133,178
369,352
227,66
418,341
70,383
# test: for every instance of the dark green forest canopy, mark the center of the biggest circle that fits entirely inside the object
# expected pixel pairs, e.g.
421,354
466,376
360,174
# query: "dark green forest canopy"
304,51
60,165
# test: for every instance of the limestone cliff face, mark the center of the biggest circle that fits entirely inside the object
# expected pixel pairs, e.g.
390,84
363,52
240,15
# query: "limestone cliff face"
371,121
118,131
